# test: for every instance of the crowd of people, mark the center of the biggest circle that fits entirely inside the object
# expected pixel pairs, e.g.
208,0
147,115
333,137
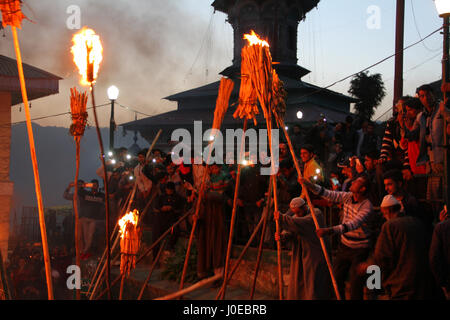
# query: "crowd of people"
385,191
26,272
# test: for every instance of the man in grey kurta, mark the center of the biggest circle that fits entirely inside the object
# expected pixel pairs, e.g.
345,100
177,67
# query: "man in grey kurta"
309,278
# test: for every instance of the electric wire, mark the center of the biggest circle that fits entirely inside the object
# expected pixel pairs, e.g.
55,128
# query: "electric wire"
303,96
418,31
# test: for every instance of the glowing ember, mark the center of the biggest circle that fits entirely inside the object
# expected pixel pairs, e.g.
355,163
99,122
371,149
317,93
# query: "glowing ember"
254,39
129,218
87,54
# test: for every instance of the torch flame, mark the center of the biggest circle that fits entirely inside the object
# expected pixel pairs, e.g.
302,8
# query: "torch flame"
254,39
130,217
87,54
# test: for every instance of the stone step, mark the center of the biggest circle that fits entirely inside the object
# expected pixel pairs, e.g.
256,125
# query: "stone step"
158,287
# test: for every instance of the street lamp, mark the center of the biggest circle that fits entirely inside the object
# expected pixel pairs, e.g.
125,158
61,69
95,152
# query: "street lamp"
113,94
299,115
443,9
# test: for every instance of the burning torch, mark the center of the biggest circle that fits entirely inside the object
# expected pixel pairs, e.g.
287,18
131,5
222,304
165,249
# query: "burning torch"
87,53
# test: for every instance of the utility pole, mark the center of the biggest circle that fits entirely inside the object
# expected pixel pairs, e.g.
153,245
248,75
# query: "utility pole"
113,94
112,127
399,46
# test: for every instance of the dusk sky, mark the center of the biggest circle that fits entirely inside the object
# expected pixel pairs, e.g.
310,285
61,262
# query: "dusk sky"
155,48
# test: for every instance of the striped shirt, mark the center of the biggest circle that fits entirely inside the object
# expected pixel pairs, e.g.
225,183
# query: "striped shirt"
391,147
357,229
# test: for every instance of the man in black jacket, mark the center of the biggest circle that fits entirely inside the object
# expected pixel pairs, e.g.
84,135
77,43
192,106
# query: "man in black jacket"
93,210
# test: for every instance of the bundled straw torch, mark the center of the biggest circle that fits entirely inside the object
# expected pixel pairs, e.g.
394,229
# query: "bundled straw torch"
78,102
87,53
129,244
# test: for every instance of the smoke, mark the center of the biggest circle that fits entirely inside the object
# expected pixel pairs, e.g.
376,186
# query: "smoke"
149,47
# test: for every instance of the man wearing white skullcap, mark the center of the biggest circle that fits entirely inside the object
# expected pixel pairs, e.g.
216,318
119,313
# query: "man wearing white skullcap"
401,253
308,277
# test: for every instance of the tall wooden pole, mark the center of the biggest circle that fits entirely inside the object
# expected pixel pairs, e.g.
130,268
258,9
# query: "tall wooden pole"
161,249
399,45
100,263
48,270
233,213
273,178
243,252
105,182
76,210
261,242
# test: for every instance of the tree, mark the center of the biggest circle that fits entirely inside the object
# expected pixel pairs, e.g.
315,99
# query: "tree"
370,91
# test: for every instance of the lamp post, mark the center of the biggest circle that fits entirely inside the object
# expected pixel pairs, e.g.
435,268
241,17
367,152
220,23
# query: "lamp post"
113,94
443,9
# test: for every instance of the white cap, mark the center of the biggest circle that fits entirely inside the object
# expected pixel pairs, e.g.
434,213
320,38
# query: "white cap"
389,201
297,203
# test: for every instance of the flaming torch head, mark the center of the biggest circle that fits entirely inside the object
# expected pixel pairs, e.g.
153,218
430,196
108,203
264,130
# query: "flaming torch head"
254,39
87,53
128,220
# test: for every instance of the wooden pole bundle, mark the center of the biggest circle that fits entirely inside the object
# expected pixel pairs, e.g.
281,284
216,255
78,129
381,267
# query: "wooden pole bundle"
222,103
78,102
244,250
259,63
